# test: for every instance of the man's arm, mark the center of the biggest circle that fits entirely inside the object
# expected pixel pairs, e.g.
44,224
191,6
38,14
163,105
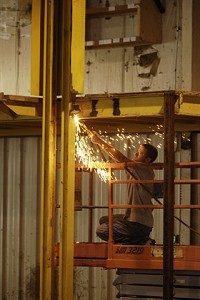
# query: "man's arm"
108,148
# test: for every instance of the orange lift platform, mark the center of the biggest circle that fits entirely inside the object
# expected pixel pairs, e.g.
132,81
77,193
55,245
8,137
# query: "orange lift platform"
140,268
110,256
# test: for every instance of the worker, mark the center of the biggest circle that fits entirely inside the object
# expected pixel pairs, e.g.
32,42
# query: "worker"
133,227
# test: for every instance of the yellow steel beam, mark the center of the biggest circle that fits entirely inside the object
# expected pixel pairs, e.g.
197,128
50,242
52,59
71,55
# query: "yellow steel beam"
20,106
138,112
23,110
145,110
188,104
129,106
7,112
138,125
136,104
48,158
190,109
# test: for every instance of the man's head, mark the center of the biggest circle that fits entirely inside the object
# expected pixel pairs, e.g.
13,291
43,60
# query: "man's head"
146,153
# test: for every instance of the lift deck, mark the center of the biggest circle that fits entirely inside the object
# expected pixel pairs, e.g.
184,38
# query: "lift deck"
140,268
134,256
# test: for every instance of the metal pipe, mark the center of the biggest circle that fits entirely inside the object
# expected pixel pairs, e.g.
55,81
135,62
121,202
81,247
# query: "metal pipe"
90,229
194,239
110,216
168,269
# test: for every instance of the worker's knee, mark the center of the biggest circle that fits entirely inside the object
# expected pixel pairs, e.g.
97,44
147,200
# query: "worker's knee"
102,231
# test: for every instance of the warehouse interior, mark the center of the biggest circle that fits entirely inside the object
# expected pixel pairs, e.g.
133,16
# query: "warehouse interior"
128,70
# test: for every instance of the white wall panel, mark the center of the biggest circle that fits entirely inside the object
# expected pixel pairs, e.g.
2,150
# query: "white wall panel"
15,49
20,215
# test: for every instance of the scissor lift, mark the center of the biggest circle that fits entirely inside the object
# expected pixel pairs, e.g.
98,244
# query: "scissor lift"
140,267
167,267
110,255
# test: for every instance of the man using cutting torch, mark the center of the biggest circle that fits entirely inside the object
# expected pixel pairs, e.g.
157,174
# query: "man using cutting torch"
135,226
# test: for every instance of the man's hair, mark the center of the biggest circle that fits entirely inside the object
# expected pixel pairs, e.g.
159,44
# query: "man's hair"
152,152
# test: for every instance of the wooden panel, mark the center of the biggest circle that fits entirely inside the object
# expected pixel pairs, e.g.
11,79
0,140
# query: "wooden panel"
78,189
143,25
150,22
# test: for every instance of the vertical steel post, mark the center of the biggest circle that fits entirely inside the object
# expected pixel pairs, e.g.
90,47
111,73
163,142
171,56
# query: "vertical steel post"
72,79
67,161
168,270
195,191
110,213
48,157
90,229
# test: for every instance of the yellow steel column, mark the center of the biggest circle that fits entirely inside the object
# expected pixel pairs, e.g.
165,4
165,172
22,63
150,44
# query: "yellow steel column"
67,164
37,47
48,157
72,79
78,45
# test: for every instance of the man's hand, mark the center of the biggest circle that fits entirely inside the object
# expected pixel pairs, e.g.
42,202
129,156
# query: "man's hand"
111,151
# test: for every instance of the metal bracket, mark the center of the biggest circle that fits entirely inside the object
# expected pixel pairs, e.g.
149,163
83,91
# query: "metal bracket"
94,112
116,110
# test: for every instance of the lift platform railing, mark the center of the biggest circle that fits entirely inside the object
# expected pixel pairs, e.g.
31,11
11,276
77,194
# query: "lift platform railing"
116,251
110,255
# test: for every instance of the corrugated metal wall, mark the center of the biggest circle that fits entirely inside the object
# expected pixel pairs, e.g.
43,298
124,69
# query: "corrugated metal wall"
20,161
